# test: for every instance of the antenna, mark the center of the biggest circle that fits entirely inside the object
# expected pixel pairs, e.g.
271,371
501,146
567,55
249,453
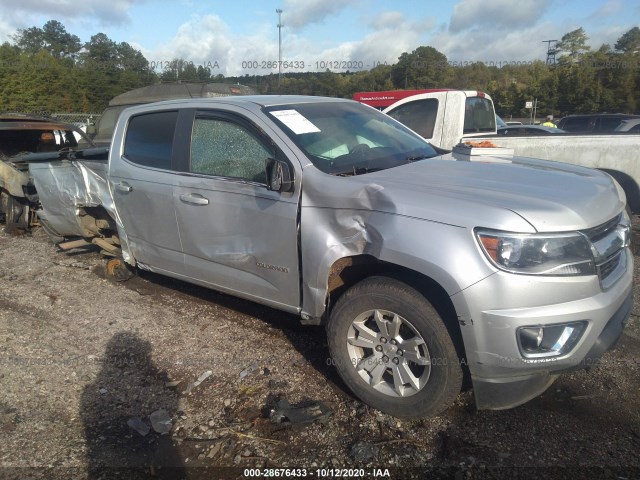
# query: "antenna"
551,51
280,25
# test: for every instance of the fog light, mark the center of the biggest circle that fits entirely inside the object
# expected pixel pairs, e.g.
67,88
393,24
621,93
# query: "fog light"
549,341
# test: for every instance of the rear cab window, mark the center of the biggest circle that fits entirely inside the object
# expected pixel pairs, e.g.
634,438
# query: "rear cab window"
479,116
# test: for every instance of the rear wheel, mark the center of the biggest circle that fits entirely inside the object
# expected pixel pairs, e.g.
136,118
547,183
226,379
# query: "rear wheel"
393,350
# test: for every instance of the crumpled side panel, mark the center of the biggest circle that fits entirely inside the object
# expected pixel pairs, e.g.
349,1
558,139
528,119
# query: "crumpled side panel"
61,190
96,186
66,186
359,217
99,192
336,225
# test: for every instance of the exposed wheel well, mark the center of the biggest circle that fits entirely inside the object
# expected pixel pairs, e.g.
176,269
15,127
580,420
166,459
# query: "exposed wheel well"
630,187
348,271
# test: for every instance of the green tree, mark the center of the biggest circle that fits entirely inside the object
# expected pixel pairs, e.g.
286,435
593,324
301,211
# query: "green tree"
629,42
53,37
425,67
572,46
107,68
42,83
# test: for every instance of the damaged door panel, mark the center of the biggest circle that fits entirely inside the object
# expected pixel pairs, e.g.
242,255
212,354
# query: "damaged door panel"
236,233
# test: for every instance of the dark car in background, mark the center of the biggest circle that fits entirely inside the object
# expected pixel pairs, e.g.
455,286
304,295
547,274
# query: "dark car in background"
528,130
593,123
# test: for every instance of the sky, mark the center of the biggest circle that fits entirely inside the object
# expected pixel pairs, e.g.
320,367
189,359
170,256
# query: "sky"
237,38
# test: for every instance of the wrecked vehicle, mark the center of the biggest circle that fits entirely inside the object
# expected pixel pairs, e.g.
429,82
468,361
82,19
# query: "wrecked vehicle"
19,136
423,267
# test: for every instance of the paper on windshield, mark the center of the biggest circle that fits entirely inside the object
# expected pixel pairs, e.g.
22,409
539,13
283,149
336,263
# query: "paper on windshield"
297,122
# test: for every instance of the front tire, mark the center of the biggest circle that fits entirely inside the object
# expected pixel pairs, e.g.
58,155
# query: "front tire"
393,350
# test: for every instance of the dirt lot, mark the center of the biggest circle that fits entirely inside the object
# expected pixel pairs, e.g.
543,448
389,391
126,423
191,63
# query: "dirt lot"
81,357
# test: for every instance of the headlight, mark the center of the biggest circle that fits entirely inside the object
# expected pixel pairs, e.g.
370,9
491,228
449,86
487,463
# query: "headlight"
563,254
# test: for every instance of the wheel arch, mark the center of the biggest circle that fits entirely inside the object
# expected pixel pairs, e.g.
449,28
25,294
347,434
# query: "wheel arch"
348,271
629,185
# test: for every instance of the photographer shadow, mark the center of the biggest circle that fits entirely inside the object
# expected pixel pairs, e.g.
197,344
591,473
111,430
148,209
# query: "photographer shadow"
121,440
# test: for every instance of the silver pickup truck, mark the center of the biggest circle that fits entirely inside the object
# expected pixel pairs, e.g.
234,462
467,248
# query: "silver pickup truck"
423,267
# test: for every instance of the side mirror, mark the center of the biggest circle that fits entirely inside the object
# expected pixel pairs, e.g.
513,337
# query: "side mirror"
279,178
91,130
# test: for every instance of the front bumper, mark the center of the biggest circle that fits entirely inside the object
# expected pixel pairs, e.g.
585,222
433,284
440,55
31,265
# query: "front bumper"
501,377
502,393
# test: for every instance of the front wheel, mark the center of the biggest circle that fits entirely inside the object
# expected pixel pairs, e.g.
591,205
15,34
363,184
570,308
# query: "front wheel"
393,350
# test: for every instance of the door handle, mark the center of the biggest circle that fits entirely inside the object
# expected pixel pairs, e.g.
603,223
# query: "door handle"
194,199
123,187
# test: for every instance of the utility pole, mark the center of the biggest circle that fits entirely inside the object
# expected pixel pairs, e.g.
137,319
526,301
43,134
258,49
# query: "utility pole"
551,51
280,25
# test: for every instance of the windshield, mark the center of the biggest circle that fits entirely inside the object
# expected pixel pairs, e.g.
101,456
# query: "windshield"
344,138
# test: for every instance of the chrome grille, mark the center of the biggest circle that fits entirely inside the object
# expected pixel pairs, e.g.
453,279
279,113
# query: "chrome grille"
607,244
605,269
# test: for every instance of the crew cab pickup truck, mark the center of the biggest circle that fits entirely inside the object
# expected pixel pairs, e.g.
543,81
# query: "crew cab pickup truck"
423,267
446,117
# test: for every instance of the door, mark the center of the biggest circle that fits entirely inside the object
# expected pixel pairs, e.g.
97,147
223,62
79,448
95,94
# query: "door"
141,181
236,234
424,114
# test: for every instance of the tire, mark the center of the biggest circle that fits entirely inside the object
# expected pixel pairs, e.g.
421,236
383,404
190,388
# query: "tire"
375,368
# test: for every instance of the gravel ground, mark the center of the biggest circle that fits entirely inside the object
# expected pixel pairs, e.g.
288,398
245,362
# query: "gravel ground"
85,362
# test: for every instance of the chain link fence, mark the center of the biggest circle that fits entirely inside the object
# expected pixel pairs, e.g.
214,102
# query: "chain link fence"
65,117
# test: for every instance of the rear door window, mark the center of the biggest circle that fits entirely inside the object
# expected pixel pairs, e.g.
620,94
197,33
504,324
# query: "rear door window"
149,139
577,124
608,124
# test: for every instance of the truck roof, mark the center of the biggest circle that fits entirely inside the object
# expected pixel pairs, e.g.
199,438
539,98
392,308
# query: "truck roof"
260,100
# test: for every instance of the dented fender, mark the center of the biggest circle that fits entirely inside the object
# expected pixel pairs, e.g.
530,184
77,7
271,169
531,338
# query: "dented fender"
365,219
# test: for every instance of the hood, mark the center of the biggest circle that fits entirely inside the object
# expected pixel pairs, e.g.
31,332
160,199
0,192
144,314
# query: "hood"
516,194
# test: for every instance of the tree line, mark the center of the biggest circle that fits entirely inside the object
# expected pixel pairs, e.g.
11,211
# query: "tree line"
49,69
